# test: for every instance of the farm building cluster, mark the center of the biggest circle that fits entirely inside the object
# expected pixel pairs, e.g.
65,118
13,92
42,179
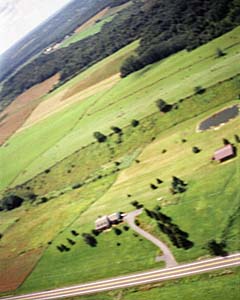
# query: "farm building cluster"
106,222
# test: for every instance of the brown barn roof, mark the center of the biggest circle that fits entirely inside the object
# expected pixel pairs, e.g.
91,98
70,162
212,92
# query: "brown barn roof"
224,152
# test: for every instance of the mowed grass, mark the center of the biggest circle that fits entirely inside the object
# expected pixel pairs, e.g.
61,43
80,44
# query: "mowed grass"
212,197
222,284
133,97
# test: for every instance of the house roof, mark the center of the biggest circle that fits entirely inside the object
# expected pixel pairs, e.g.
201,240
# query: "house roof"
224,152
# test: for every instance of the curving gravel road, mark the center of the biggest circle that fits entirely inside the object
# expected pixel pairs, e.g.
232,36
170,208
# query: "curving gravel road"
167,254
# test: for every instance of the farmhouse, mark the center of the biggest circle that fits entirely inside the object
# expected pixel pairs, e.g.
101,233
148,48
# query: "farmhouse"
114,218
106,222
102,223
224,153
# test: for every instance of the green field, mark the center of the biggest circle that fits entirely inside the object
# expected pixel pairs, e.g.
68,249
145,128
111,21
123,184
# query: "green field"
64,145
172,79
188,210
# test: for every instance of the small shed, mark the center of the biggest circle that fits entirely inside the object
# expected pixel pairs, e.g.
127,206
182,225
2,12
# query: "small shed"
224,153
115,218
102,223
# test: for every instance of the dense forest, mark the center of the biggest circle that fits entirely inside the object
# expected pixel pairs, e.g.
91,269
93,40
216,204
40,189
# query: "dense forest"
163,26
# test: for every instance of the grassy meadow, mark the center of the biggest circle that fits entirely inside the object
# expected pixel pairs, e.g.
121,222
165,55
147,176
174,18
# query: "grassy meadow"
49,158
132,97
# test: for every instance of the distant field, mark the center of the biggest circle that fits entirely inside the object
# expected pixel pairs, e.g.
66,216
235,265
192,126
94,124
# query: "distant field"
95,28
93,20
94,25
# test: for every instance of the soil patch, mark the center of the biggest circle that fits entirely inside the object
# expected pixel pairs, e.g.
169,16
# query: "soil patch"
13,271
15,115
219,118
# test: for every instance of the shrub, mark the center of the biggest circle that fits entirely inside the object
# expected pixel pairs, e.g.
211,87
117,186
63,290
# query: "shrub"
71,242
135,123
199,90
163,106
74,233
76,186
11,202
116,129
195,149
100,137
117,231
153,186
220,52
44,199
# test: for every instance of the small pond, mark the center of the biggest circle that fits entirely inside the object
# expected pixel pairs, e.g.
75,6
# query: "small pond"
219,118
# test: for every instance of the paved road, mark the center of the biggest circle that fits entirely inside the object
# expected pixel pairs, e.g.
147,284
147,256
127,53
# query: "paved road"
167,254
135,279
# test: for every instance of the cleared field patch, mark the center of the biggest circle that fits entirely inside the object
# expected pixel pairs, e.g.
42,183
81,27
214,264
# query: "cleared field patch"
14,116
99,77
88,31
67,98
94,25
93,20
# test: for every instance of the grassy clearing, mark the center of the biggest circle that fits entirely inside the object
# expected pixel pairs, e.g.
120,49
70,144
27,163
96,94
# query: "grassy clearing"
217,285
87,32
172,79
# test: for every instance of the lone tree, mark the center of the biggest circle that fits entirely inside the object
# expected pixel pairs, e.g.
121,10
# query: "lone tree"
195,149
178,185
135,123
100,137
163,106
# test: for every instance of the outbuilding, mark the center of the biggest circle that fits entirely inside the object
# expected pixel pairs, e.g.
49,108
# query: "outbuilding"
224,153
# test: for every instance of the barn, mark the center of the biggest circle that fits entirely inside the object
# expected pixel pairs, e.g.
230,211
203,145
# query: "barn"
224,153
